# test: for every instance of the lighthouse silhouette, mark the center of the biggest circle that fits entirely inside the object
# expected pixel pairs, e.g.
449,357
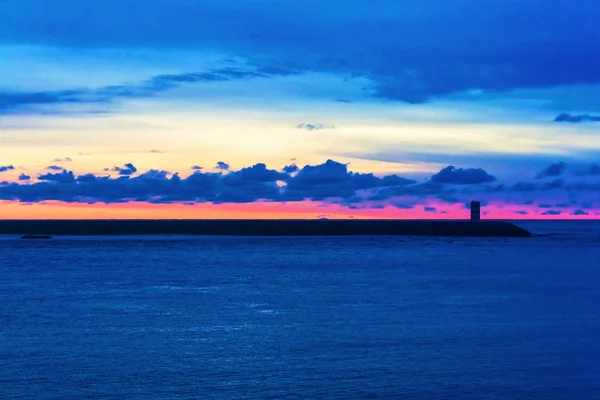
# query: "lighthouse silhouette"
475,211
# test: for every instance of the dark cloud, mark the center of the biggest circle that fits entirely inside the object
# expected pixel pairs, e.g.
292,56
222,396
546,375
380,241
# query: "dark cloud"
223,166
18,101
61,177
4,168
552,212
590,170
328,180
580,213
54,168
430,209
521,212
196,168
315,127
290,169
127,169
332,179
250,184
552,171
564,117
412,50
257,173
24,177
536,186
460,176
594,169
66,159
556,205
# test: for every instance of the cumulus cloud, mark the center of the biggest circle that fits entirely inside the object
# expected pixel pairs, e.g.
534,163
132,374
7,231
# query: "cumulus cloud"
66,159
290,169
127,169
328,180
564,117
61,177
196,168
223,166
460,176
315,127
4,168
552,212
332,179
556,205
580,212
54,168
552,171
24,177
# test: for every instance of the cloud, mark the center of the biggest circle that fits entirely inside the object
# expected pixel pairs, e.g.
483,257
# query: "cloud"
564,117
330,183
24,177
154,151
579,213
61,177
4,168
257,173
223,166
591,170
556,205
127,169
411,50
19,101
537,186
196,168
328,180
460,176
594,169
332,179
315,127
552,212
552,171
54,168
290,169
66,159
521,212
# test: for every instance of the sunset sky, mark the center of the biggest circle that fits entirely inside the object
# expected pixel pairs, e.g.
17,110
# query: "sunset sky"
299,109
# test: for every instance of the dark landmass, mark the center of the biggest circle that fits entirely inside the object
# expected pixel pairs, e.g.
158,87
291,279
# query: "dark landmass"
264,227
36,237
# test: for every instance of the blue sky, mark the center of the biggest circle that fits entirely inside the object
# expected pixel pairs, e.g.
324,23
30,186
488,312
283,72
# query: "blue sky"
402,88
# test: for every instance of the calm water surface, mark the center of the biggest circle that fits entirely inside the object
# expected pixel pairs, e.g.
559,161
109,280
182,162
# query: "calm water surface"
302,318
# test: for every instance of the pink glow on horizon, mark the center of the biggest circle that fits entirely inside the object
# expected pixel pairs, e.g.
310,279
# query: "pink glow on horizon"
263,210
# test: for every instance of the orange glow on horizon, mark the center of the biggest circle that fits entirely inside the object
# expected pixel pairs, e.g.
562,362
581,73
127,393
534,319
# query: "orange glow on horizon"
257,210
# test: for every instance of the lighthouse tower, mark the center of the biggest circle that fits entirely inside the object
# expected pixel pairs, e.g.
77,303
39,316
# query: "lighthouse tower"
475,211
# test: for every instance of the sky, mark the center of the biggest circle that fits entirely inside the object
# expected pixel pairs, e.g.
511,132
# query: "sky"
299,109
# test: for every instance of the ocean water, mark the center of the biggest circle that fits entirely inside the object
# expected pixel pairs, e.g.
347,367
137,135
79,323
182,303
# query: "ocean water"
302,318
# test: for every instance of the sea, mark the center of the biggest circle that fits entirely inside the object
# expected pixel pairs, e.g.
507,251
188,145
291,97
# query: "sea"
184,317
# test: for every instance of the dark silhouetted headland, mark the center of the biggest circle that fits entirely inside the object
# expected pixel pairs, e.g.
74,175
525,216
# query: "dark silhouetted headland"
36,237
264,227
